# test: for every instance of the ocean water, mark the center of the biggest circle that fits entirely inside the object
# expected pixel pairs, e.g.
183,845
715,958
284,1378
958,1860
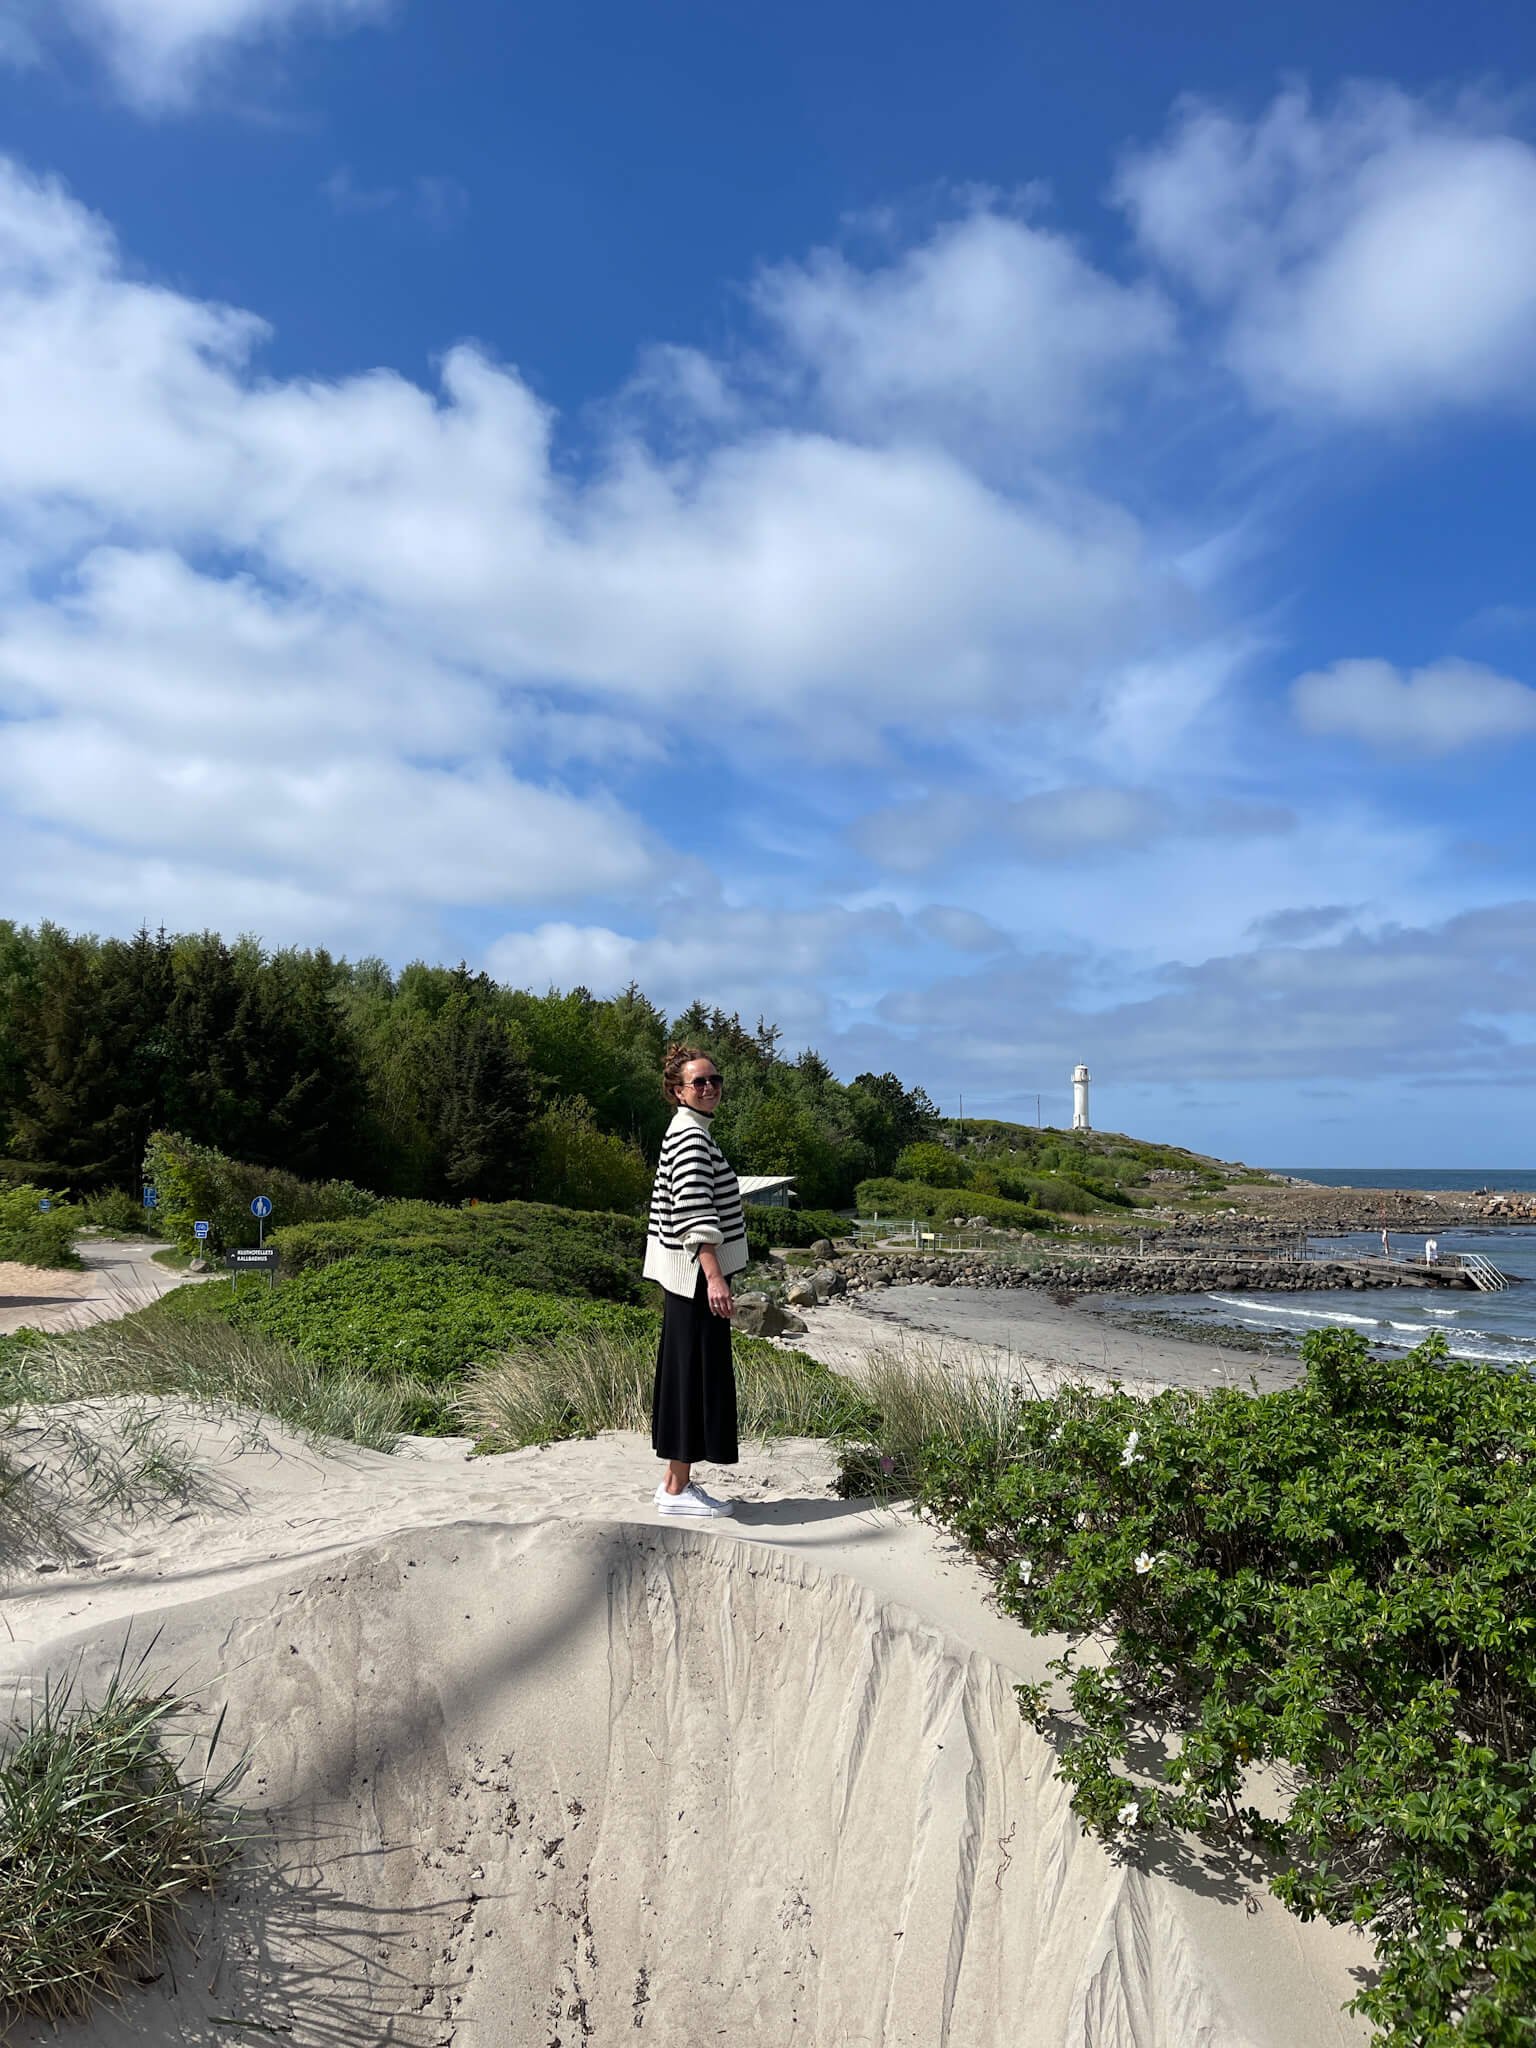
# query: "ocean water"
1497,1328
1503,1179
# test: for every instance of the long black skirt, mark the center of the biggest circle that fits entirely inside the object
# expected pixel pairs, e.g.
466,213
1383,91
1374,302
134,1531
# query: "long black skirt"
693,1404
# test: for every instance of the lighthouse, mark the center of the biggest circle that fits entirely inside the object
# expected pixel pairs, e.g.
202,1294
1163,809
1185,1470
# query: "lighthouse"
1080,1079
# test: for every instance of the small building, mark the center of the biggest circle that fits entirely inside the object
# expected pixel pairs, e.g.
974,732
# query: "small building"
767,1190
1080,1080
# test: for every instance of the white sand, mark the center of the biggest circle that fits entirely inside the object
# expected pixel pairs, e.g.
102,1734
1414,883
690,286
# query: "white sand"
533,1766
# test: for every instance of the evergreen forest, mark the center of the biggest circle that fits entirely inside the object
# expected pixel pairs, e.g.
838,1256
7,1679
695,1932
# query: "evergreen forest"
430,1082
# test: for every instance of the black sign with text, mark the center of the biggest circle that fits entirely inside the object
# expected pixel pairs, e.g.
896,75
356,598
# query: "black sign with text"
262,1261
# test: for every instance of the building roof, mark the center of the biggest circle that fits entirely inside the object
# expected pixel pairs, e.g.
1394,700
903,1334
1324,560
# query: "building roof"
755,1183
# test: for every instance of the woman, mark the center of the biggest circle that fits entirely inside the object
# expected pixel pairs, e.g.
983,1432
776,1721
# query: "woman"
697,1238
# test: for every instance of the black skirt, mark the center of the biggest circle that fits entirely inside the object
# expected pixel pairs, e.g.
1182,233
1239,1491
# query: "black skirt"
693,1405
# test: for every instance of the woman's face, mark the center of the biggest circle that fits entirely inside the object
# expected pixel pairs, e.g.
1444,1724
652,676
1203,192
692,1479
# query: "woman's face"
700,1087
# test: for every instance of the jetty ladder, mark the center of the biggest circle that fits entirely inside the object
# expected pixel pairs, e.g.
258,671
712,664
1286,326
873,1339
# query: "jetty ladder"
1483,1273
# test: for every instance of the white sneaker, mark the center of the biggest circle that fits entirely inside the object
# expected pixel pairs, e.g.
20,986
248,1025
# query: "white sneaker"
693,1500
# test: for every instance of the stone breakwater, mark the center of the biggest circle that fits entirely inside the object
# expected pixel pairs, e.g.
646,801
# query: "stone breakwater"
1196,1274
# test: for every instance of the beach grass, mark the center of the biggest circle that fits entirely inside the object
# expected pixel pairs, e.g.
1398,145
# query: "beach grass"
207,1362
584,1381
919,1391
103,1839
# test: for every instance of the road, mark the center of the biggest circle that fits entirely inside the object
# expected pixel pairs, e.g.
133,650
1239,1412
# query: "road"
120,1276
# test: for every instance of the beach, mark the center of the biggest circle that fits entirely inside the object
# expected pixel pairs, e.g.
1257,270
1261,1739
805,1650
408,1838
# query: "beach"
1023,1332
530,1765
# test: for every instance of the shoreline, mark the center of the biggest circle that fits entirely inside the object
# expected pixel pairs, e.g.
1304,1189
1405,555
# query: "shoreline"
1019,1331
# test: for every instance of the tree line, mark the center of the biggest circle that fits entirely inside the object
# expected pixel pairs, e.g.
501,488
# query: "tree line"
433,1081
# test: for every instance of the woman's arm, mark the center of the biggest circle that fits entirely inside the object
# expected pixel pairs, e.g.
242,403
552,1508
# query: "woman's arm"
720,1300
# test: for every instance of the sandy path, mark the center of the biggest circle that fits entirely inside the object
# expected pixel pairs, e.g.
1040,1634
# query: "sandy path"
120,1276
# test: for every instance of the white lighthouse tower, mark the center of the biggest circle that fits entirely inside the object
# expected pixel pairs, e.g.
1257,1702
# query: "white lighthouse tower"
1080,1079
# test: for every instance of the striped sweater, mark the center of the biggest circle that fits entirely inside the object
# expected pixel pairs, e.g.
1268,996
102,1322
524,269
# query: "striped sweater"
695,1200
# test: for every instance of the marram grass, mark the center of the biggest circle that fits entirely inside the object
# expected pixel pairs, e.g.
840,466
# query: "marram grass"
101,1840
590,1380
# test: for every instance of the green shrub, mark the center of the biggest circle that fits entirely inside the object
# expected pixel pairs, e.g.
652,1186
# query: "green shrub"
525,1244
116,1213
425,1313
33,1237
195,1182
1336,1583
935,1165
904,1198
768,1227
581,1167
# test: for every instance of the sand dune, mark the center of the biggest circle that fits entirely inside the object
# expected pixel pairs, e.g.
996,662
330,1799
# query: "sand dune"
531,1766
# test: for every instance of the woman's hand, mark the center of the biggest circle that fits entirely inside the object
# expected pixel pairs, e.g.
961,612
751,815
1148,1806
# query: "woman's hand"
719,1288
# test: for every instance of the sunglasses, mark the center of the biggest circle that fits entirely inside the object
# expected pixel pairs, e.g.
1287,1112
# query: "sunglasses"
705,1081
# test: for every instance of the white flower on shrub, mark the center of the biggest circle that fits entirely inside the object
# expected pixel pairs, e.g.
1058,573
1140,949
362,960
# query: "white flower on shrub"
1129,1815
1144,1562
1026,1570
1130,1455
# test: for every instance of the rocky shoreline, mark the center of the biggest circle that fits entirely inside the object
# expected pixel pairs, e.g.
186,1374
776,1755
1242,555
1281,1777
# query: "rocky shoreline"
1106,1273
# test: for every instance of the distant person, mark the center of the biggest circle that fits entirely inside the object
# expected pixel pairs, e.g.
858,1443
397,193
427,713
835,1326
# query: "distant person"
696,1238
1431,1250
1386,1243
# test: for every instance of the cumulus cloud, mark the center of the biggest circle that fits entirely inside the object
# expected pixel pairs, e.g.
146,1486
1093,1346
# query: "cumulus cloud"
994,327
776,962
1438,709
788,566
159,51
1373,261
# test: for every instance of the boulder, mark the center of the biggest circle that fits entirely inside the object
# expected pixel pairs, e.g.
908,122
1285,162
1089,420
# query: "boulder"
823,1248
756,1316
801,1294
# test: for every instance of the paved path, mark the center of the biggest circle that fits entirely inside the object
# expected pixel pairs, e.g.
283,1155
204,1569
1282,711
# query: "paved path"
120,1276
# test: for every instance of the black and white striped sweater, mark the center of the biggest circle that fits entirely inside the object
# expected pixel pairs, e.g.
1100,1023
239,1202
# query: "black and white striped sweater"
695,1200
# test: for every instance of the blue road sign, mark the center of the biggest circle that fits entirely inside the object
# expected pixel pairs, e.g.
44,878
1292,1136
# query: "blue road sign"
199,1230
150,1198
261,1205
45,1204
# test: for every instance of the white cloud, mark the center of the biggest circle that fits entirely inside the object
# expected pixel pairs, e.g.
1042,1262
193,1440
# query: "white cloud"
159,51
1440,708
785,568
1373,262
993,327
771,962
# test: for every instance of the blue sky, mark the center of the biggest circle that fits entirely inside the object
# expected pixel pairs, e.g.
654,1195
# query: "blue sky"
993,536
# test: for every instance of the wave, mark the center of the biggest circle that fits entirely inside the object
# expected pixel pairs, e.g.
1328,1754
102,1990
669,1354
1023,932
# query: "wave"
1286,1308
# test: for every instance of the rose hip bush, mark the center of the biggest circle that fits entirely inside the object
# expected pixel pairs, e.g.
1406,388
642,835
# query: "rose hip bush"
1336,1583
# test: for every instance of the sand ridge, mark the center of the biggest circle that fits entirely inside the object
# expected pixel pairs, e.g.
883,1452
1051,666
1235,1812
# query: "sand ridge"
533,1766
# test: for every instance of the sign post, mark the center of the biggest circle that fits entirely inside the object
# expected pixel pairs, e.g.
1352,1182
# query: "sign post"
151,1198
200,1231
261,1209
45,1205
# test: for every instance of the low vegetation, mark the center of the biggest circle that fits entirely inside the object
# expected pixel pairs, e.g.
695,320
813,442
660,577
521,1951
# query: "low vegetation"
1335,1585
33,1236
909,1198
202,1360
112,1814
581,1382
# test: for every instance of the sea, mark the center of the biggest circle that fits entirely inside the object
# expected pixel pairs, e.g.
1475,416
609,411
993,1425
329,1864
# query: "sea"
1496,1328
